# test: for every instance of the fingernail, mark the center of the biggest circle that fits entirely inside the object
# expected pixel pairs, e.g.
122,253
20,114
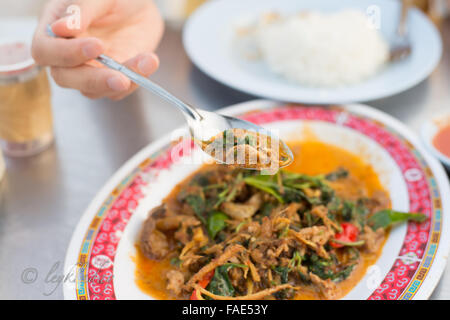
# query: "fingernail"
116,83
91,50
147,64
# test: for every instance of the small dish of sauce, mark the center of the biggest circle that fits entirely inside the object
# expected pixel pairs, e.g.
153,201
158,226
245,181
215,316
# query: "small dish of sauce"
441,141
436,136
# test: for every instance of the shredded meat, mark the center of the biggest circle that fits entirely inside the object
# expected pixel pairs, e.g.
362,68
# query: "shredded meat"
379,200
241,211
253,271
257,255
373,239
153,243
322,212
291,211
316,234
316,246
237,278
175,281
228,254
255,296
327,287
266,228
252,228
174,222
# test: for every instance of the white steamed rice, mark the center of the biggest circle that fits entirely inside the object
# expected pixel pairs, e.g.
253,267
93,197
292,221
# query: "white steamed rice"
318,49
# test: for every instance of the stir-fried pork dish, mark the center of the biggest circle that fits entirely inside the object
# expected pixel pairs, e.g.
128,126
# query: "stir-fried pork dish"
230,233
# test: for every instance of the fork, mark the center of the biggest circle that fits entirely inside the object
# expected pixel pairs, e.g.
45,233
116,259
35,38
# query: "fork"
401,46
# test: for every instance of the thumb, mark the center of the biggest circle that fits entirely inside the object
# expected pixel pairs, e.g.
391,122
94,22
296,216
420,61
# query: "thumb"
79,15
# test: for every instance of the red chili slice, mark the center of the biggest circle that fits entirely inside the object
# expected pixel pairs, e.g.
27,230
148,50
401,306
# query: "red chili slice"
202,283
349,234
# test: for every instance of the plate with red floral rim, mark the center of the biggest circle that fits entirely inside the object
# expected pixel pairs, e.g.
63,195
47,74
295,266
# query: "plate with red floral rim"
99,262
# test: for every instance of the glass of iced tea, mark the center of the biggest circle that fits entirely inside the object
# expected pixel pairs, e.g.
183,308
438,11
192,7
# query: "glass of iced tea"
26,126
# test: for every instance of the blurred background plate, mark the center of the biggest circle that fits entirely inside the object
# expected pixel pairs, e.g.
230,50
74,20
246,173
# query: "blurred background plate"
209,33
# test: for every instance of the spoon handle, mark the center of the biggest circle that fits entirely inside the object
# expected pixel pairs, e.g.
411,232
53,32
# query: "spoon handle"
144,82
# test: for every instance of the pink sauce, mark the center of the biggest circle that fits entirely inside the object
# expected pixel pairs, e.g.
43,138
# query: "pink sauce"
441,140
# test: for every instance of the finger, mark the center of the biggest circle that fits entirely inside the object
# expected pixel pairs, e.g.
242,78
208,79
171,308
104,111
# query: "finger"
61,52
93,80
91,95
79,15
144,64
96,82
48,51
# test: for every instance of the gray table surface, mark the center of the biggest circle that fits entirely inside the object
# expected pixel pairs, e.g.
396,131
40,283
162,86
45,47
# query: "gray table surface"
43,197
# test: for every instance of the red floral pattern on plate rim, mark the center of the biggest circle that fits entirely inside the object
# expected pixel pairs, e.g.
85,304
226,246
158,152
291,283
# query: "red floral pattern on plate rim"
402,281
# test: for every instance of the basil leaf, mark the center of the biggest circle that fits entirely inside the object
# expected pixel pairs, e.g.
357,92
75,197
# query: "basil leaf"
320,267
283,272
263,183
220,284
216,223
348,211
197,203
343,274
266,209
293,185
388,217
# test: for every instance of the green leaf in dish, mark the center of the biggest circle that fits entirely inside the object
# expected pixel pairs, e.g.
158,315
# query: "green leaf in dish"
386,218
220,283
263,183
216,223
197,203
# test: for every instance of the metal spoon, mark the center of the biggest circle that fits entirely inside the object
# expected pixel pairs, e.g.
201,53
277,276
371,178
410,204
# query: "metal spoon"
203,125
401,46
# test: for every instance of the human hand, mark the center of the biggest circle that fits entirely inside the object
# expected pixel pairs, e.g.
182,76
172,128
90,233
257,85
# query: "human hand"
126,30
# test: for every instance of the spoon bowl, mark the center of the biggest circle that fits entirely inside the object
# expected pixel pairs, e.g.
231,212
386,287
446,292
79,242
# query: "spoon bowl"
211,125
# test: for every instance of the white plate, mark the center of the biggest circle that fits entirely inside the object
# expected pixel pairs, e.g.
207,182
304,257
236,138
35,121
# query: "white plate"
99,259
209,33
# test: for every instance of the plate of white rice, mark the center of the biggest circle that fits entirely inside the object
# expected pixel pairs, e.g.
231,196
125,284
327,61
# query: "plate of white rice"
320,51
